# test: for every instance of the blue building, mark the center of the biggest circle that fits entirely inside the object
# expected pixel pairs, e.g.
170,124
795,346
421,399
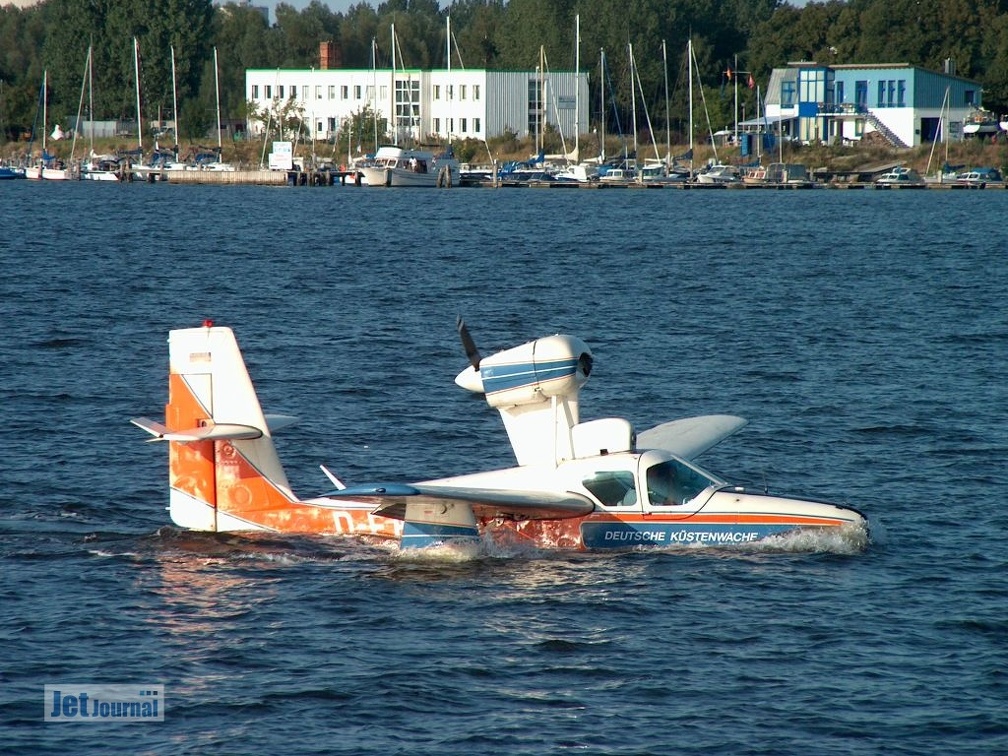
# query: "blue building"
906,104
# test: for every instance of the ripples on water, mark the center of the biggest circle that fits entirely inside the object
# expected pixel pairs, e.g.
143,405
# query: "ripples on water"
862,333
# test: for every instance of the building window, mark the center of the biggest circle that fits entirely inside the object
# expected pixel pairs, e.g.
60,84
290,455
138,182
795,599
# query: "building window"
534,106
858,127
437,125
369,92
475,91
318,127
787,94
407,105
880,102
901,93
450,91
969,97
839,92
280,91
437,93
890,93
812,85
463,123
293,91
332,124
451,125
462,93
269,92
332,91
344,92
476,125
318,91
255,91
357,92
304,92
383,92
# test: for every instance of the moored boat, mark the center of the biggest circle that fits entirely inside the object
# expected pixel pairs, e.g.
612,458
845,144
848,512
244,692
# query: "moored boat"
980,178
900,178
981,122
396,166
719,174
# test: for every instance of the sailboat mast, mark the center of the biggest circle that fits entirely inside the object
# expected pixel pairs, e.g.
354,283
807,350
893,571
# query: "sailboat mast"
136,71
80,105
633,103
540,96
395,116
174,92
668,120
91,100
689,66
45,111
374,93
735,81
577,86
217,89
603,104
450,88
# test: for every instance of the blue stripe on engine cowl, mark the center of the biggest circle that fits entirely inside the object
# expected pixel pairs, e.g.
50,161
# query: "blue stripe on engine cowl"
506,377
418,535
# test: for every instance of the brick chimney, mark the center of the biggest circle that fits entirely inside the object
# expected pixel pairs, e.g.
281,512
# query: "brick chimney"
330,55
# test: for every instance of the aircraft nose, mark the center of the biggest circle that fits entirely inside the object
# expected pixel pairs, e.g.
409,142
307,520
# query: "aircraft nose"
471,380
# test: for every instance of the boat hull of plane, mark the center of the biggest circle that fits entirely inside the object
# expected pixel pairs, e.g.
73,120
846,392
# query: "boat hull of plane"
762,519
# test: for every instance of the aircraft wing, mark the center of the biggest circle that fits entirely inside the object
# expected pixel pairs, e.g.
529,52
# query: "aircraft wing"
390,500
691,436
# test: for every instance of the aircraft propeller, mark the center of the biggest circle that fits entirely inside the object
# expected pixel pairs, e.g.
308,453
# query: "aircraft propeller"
472,352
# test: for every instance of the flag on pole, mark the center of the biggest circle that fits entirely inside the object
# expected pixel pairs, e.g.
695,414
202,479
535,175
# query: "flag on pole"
752,82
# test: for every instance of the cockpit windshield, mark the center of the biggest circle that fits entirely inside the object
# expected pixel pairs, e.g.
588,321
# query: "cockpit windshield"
671,483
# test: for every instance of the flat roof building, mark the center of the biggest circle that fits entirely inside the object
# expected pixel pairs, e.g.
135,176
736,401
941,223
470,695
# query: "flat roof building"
906,104
423,106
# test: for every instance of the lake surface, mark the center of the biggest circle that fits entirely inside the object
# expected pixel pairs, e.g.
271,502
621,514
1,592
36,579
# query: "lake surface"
864,334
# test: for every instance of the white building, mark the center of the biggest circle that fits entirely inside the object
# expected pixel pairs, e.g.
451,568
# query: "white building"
907,104
426,106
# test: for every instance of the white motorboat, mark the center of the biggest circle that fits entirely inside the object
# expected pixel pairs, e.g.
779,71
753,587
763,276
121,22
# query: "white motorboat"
719,174
395,166
900,178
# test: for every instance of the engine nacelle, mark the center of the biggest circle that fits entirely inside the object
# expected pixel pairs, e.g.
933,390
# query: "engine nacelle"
531,373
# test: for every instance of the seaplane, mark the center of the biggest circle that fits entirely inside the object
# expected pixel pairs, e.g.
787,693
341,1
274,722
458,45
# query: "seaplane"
583,485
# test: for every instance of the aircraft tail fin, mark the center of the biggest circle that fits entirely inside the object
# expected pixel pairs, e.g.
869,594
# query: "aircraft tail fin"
224,471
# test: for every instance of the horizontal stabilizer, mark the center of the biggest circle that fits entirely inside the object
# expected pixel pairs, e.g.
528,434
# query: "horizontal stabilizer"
390,500
278,422
691,436
210,431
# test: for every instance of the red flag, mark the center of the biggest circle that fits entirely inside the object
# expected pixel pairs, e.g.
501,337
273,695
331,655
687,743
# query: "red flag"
752,82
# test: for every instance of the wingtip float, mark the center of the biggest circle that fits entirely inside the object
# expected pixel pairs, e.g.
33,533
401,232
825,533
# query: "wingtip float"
578,485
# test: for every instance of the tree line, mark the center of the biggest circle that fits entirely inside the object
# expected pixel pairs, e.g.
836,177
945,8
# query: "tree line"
751,36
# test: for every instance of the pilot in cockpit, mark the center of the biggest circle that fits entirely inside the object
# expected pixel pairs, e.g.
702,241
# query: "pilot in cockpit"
663,485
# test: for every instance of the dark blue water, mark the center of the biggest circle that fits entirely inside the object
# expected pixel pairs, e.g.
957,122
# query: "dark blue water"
864,334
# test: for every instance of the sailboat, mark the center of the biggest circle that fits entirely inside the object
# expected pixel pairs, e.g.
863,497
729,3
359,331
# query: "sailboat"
662,171
716,172
96,167
47,168
218,164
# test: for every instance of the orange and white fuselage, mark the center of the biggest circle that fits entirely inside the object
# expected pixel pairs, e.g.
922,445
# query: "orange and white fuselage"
592,490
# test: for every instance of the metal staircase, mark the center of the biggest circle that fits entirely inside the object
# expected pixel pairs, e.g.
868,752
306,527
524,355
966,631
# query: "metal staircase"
884,130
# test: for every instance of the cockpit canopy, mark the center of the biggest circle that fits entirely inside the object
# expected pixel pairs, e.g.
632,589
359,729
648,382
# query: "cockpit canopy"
653,479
